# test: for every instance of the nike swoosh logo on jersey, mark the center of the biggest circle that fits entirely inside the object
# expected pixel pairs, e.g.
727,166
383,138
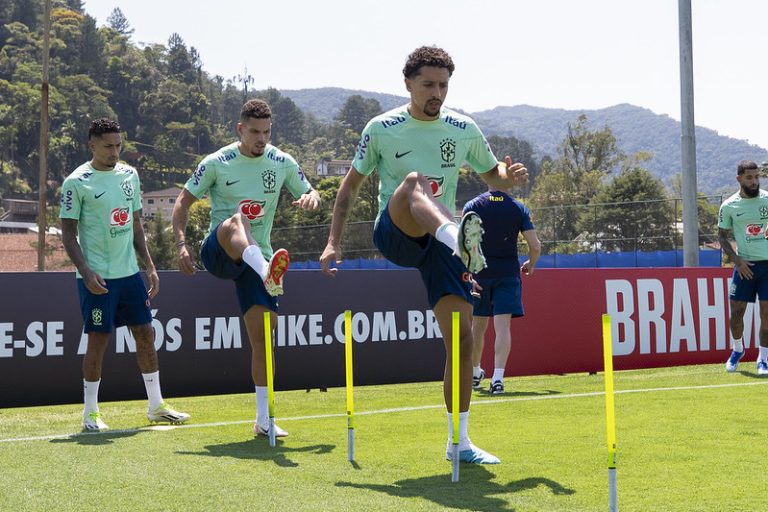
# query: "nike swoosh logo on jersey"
740,214
401,155
99,195
232,182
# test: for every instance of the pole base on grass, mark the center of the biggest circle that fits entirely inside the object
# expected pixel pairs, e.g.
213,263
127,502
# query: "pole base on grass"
455,463
272,431
613,499
350,444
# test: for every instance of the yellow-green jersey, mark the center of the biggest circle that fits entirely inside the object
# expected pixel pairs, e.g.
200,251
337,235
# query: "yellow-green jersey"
396,144
747,218
103,203
250,185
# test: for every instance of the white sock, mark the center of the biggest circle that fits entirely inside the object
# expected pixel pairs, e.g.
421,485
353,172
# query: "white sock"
448,233
262,406
498,375
464,441
152,384
738,345
91,396
253,257
476,371
763,354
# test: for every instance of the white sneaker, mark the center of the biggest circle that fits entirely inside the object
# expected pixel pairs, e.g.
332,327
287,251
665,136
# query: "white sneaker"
92,422
762,368
470,236
258,430
164,412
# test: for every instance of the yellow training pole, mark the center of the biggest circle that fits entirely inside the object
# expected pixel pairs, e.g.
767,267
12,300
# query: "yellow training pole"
610,414
270,375
455,395
350,386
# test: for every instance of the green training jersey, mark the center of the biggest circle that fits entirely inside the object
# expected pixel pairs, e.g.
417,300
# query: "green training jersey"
396,144
747,217
237,183
103,203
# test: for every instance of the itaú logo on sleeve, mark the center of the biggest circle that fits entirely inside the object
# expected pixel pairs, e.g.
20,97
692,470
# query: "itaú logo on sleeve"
119,217
251,208
436,185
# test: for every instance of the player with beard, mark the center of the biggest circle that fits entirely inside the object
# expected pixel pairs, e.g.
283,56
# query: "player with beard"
418,149
745,214
243,181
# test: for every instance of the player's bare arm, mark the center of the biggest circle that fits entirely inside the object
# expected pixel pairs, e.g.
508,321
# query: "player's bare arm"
534,251
506,175
179,221
93,281
308,201
741,265
345,199
142,251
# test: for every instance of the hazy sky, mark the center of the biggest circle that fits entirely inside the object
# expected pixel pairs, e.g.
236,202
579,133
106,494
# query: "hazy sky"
569,54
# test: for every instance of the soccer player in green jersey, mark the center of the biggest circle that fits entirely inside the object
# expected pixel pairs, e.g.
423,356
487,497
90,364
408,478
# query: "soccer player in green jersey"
102,232
243,181
418,149
745,215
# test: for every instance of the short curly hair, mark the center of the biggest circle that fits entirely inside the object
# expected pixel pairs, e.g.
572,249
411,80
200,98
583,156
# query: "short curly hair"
101,126
255,109
427,56
746,165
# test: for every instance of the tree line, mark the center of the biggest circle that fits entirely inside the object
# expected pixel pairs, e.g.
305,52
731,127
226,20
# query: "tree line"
173,113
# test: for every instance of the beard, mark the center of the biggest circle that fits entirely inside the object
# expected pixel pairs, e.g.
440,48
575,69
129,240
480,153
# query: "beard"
751,192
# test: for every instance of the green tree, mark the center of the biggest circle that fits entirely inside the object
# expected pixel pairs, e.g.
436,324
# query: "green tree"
357,111
160,242
119,23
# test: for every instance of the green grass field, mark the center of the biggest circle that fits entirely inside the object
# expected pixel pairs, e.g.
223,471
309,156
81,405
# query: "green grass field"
689,439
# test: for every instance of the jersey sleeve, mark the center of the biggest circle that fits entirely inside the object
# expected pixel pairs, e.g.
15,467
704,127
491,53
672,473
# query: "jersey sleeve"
527,223
136,202
70,200
367,153
724,218
295,180
480,157
203,178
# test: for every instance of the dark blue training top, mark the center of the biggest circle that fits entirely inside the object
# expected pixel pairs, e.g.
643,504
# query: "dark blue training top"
504,218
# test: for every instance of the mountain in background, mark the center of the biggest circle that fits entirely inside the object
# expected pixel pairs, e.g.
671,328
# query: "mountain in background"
635,128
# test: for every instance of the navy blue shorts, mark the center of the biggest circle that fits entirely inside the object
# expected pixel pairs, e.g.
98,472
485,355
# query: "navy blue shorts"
746,290
499,296
248,284
442,272
125,303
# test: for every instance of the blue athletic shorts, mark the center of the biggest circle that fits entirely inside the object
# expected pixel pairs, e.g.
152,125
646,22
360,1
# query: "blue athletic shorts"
746,290
248,284
441,271
499,296
126,303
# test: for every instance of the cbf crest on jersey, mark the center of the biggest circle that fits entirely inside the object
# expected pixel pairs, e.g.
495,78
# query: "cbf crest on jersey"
448,152
127,187
269,179
764,212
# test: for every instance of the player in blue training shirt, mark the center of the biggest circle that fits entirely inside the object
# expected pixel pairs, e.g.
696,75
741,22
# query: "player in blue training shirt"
504,218
418,149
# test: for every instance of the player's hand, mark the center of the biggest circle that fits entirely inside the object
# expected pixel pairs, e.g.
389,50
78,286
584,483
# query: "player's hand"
94,282
308,201
154,283
476,288
332,253
184,261
527,268
743,268
515,173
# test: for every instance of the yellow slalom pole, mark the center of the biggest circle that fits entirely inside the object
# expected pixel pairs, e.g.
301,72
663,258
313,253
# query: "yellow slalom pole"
610,414
455,380
270,375
350,386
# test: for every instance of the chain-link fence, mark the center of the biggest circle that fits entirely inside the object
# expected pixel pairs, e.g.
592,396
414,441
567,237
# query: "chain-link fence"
639,227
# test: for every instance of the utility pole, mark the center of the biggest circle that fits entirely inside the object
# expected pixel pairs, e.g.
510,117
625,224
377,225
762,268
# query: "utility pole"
688,138
42,185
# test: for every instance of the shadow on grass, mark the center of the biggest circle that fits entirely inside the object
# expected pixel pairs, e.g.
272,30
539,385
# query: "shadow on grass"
752,374
97,438
511,394
474,491
259,449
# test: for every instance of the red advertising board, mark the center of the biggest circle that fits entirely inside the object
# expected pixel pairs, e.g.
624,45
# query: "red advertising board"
659,317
